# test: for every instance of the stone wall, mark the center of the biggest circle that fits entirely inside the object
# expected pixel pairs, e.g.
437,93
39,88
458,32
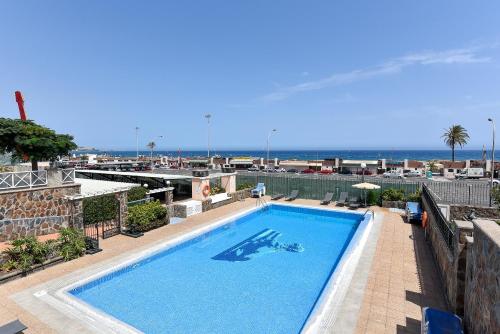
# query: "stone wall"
36,211
179,210
457,212
122,198
394,204
451,262
482,287
235,197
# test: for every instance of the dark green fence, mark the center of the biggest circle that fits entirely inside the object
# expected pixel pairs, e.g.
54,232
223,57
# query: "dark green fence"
316,186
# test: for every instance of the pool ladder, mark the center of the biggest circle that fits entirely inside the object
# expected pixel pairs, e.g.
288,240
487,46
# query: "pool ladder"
261,202
369,210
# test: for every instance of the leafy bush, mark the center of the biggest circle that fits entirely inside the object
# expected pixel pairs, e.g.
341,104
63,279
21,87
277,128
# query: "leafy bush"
373,197
26,252
71,243
245,186
392,194
99,209
146,216
415,197
216,190
137,193
495,194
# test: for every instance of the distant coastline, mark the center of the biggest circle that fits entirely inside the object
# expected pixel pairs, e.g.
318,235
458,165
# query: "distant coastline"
422,155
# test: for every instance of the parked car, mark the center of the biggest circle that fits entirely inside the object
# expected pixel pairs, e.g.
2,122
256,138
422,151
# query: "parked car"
496,183
269,170
393,174
325,172
292,170
308,171
280,170
413,173
367,172
253,169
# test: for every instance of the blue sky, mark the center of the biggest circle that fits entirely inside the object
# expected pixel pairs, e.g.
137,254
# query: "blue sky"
326,74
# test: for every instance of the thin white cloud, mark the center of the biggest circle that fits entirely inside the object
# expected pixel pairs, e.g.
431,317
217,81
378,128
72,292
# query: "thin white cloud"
396,65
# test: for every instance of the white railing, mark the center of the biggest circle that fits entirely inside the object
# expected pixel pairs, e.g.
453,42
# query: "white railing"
68,175
29,179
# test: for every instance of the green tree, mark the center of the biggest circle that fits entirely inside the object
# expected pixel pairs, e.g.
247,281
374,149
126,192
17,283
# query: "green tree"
453,136
28,140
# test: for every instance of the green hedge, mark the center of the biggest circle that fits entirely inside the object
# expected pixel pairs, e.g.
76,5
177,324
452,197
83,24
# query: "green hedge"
99,209
144,217
136,193
245,185
393,194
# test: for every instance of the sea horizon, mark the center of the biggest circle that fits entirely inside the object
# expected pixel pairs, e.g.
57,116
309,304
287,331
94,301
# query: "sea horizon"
358,154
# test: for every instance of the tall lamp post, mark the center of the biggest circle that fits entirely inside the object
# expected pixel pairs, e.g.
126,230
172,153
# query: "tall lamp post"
268,138
363,166
137,142
492,160
208,116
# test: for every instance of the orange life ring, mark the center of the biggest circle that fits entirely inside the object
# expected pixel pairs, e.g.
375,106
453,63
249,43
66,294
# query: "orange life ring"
206,190
424,219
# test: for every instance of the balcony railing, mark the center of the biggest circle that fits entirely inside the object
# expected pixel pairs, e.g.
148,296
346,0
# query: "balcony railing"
68,175
28,179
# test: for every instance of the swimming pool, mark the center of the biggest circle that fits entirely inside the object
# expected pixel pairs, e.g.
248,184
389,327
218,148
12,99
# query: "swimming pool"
266,271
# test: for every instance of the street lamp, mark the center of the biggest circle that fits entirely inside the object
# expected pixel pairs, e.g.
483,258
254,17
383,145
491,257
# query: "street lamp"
363,166
492,160
137,142
268,138
208,116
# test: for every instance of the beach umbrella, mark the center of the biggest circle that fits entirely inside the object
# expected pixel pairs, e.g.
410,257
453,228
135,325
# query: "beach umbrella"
366,186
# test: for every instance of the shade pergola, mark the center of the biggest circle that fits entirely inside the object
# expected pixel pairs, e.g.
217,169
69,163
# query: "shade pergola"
366,186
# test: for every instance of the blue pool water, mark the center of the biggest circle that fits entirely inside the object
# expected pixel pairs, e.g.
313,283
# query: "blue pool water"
261,273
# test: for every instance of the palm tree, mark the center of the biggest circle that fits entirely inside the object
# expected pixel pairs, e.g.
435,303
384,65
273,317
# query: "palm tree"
453,136
151,145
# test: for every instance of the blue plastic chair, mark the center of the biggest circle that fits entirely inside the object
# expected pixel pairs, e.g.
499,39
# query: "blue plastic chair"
413,211
440,322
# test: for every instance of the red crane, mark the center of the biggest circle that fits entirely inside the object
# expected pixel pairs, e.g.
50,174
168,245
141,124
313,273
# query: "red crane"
20,104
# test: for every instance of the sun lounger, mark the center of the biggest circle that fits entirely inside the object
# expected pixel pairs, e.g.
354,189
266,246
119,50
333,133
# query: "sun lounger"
354,203
293,195
328,198
436,321
13,327
413,211
277,197
260,190
342,199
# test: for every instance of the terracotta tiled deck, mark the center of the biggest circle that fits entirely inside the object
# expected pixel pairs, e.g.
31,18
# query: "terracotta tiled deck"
402,278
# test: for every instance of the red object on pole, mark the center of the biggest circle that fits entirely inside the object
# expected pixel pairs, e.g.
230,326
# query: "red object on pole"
20,104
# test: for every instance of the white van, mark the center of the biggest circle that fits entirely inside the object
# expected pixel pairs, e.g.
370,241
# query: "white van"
470,173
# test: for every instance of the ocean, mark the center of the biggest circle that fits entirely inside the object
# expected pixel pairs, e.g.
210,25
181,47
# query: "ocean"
423,155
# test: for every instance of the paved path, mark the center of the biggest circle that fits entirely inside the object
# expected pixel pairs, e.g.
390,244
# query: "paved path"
403,278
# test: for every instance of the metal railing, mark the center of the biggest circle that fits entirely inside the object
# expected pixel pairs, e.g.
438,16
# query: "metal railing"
30,179
445,228
68,175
